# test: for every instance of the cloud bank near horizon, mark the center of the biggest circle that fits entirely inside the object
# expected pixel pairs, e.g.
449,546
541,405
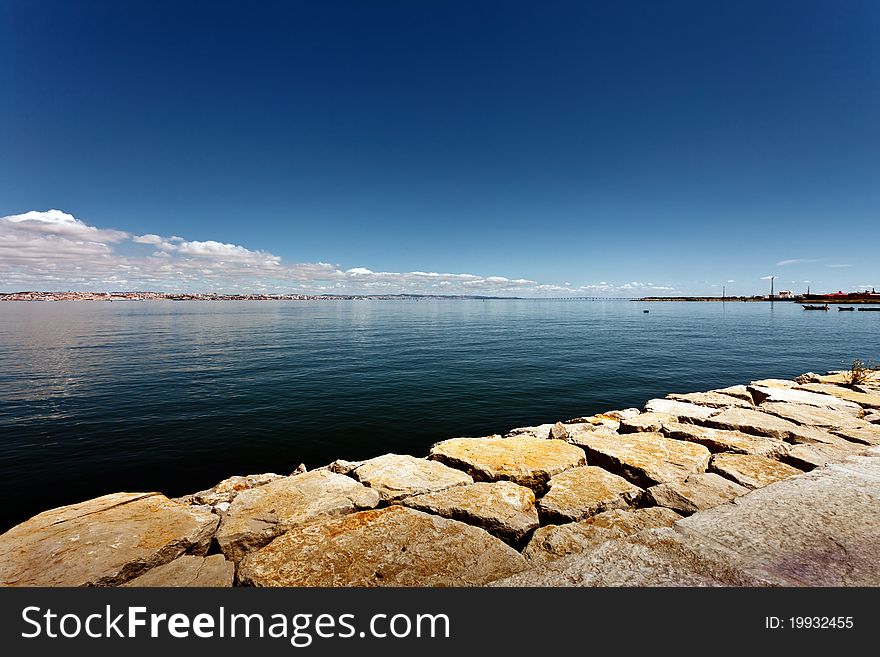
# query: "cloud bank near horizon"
53,250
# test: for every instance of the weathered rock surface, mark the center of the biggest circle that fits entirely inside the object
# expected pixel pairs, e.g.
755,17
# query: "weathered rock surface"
819,529
502,508
555,541
774,383
189,570
683,411
655,557
646,422
738,391
394,546
645,458
525,460
711,399
750,470
258,515
538,431
102,542
762,394
764,424
696,493
863,399
815,455
227,489
872,417
814,416
867,434
582,492
721,440
343,467
608,420
395,476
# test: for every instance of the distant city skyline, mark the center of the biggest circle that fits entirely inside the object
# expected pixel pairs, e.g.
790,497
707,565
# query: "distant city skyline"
566,149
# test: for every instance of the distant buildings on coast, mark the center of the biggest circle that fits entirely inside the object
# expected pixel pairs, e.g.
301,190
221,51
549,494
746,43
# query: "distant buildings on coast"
787,295
202,296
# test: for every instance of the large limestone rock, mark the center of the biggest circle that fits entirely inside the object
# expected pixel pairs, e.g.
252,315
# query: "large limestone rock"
873,417
683,411
815,455
538,431
696,493
582,492
758,423
189,570
228,489
750,470
762,394
712,399
396,476
260,514
105,541
502,508
555,541
814,416
721,440
863,399
646,458
819,529
738,391
525,460
394,546
867,434
654,557
775,383
646,422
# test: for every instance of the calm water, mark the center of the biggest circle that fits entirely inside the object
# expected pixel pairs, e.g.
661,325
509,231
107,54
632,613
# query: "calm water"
174,396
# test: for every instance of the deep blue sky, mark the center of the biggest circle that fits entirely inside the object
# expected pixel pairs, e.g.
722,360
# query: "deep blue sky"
683,144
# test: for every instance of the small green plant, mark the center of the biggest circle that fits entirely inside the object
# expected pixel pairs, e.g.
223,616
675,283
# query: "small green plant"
860,372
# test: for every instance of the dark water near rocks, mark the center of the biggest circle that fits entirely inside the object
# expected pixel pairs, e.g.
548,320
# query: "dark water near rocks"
174,396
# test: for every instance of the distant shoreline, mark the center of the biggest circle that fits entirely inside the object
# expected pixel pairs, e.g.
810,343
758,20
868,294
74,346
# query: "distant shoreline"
207,296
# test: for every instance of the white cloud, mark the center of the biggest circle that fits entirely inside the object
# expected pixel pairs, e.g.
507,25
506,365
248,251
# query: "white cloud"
795,261
53,250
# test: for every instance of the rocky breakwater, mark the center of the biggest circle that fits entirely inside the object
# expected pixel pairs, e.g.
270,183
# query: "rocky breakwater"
774,482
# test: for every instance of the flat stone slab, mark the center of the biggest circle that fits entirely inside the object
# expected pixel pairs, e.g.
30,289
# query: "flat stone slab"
750,470
819,529
872,417
258,515
395,476
758,423
775,383
226,490
654,557
738,391
502,508
814,416
712,399
646,458
105,541
187,571
524,460
394,546
683,411
538,431
649,422
556,541
863,399
696,493
722,440
816,455
582,492
763,394
867,434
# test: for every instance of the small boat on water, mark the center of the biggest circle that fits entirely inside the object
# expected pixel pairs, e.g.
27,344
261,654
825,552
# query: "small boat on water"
825,307
875,309
847,308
